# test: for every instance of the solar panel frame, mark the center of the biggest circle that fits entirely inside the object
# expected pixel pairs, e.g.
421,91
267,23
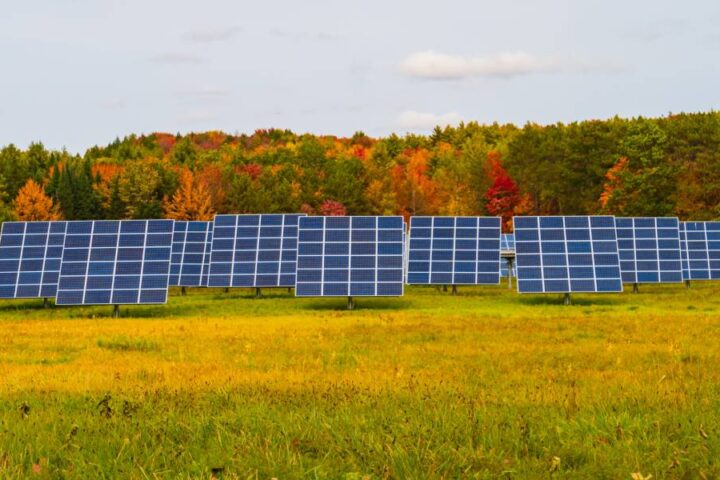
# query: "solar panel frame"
188,264
120,262
649,249
360,256
454,250
566,254
30,256
700,243
248,251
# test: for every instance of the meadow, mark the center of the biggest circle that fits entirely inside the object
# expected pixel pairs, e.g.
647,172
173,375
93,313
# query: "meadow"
485,384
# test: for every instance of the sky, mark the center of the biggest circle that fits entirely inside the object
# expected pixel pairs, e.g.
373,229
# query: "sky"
78,73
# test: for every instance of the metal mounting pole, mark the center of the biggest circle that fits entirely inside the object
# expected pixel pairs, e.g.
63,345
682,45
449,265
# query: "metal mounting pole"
289,289
46,302
182,291
258,293
566,299
227,289
444,288
116,311
510,264
454,289
687,283
636,288
350,303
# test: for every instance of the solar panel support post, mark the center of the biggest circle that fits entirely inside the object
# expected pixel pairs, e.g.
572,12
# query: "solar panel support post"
116,311
636,288
444,288
227,289
687,283
510,265
454,289
566,299
46,302
258,293
182,291
289,289
350,303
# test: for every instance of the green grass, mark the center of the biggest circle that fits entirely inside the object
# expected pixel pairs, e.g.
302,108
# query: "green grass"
487,384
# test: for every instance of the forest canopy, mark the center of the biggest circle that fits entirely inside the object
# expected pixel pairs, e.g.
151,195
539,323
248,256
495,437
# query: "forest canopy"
626,167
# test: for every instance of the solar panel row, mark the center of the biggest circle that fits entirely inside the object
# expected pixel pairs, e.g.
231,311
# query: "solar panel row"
567,254
454,251
649,250
700,250
350,256
115,262
254,250
30,256
190,260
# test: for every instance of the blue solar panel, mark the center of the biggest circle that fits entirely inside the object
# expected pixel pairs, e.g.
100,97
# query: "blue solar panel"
649,249
350,256
567,254
30,254
208,254
115,262
700,243
454,251
188,260
507,242
254,250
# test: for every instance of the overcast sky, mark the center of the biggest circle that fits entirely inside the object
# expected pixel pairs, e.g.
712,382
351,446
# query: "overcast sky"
75,73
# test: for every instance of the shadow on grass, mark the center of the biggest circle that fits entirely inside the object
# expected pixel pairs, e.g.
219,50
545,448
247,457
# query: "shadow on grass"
557,300
361,304
29,304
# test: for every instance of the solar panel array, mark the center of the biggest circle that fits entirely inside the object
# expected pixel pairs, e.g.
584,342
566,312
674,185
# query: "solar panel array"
649,249
454,251
115,262
567,254
350,256
700,243
30,254
254,250
190,260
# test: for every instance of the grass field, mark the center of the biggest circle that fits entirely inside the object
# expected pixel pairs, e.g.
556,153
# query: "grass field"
487,384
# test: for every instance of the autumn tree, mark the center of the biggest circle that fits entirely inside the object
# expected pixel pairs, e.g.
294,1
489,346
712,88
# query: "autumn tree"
332,208
414,188
503,196
191,201
32,204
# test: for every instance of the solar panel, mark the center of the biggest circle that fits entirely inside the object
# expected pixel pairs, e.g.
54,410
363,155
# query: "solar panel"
454,251
507,247
30,254
700,250
649,249
208,254
567,254
507,242
350,256
188,260
115,262
254,250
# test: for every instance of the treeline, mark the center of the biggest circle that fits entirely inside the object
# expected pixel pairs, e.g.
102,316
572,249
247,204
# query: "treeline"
634,167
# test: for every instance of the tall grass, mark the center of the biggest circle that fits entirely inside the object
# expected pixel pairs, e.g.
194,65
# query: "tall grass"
487,384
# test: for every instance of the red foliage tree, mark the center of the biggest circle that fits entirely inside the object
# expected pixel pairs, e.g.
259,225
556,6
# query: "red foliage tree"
331,208
503,196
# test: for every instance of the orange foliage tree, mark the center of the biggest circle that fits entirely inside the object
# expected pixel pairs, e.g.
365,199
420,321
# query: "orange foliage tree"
415,191
613,182
32,204
191,201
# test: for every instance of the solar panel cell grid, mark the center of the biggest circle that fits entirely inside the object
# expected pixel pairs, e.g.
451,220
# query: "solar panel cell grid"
350,256
189,261
30,254
649,249
115,262
566,254
254,250
454,251
701,250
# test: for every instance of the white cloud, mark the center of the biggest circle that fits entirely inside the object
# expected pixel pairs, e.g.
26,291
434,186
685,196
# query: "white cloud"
177,58
441,66
412,120
217,34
